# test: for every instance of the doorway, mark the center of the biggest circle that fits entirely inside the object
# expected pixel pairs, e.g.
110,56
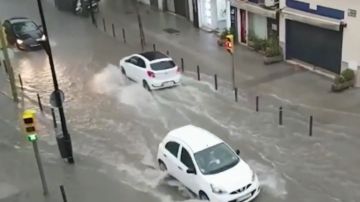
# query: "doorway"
243,26
195,13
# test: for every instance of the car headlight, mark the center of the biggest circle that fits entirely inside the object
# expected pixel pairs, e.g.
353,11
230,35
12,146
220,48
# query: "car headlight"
43,37
217,190
19,41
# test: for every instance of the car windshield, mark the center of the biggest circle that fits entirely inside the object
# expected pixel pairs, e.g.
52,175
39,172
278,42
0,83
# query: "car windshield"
163,65
216,159
24,27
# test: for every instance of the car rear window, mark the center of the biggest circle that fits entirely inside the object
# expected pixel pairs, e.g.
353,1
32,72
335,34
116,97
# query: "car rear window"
163,65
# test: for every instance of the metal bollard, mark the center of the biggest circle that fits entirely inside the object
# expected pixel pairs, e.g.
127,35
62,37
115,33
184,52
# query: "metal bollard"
215,81
311,126
124,36
198,72
63,194
104,24
154,47
236,94
39,102
182,65
167,52
257,103
21,83
280,115
113,30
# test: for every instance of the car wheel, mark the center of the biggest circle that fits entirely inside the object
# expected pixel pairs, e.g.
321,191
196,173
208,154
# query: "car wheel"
203,196
146,86
162,166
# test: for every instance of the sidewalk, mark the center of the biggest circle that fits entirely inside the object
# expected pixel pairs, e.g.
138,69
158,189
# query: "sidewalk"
284,81
87,180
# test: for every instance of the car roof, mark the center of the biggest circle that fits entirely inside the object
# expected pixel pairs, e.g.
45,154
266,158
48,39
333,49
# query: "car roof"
18,19
153,55
197,139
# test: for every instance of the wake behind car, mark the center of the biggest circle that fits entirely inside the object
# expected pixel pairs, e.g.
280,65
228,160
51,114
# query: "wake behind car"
24,33
154,70
207,166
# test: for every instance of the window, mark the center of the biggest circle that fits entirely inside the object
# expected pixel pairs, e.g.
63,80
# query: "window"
172,147
186,159
133,60
140,62
163,65
24,27
216,159
137,61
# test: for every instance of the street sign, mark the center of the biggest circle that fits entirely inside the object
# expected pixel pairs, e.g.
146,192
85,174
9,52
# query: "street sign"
53,98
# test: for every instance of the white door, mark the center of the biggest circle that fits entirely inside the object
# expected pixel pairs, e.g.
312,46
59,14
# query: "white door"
140,70
170,157
129,66
186,162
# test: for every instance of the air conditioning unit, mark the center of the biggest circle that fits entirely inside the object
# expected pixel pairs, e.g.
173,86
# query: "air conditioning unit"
269,3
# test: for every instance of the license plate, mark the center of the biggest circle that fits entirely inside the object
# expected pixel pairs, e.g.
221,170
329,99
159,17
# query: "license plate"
167,84
244,197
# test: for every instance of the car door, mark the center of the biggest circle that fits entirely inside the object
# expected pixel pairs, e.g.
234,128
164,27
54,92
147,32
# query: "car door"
129,66
170,156
140,70
186,162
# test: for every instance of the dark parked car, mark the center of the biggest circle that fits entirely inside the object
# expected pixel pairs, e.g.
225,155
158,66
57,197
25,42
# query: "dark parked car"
24,33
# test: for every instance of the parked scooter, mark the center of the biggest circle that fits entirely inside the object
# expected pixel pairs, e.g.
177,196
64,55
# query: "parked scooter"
84,7
78,7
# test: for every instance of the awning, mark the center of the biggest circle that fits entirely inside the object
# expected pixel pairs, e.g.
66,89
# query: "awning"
254,8
313,19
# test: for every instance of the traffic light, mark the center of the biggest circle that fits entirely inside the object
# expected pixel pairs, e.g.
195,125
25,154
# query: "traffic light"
229,43
29,121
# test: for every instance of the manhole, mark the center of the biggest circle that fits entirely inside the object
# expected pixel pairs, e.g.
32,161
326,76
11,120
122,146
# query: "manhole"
171,31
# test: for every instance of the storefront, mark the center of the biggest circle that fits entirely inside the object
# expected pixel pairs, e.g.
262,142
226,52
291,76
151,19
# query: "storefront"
323,36
180,7
212,14
254,20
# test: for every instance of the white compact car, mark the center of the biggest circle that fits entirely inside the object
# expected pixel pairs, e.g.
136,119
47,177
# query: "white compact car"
153,69
207,166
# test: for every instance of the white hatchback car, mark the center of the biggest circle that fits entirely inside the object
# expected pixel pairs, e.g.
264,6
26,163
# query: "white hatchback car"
207,166
153,69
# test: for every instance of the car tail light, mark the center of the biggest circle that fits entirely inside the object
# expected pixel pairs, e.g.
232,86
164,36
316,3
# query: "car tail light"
151,74
178,70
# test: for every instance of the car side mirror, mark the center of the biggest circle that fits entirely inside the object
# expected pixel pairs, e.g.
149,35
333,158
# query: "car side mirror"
237,152
191,171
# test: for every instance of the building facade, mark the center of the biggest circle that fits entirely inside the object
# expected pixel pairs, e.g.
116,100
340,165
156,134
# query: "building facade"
321,34
253,18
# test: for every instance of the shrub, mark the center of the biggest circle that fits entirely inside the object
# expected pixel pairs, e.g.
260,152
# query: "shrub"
339,80
348,74
272,47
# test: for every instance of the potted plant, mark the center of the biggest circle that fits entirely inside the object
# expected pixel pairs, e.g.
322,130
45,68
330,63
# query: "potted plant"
273,52
345,80
222,37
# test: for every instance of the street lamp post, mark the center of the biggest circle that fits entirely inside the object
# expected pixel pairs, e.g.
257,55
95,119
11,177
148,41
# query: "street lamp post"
64,141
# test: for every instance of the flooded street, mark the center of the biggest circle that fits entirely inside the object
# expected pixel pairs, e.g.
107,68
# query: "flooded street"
118,123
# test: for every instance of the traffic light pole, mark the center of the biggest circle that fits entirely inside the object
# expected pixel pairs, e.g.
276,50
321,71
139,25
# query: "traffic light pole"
41,169
66,139
8,65
233,70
